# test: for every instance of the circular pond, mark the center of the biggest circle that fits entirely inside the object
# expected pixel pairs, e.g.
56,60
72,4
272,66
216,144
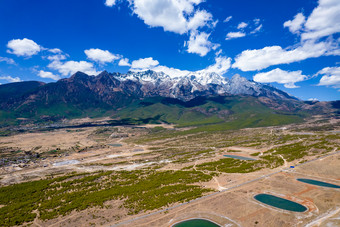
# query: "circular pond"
318,183
281,203
196,223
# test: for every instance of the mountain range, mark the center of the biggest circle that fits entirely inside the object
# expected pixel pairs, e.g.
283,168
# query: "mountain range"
204,95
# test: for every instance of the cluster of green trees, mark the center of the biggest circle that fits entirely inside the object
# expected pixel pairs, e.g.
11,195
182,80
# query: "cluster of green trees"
230,165
140,190
299,150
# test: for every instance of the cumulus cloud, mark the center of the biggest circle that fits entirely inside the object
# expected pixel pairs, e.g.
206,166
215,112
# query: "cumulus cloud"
110,3
296,24
324,20
288,78
200,19
242,25
172,72
10,79
179,16
100,56
70,67
44,74
9,61
144,63
23,47
250,60
234,35
124,62
331,77
199,44
227,19
221,66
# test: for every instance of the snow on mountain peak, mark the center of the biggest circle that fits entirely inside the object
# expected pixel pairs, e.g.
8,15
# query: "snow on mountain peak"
186,85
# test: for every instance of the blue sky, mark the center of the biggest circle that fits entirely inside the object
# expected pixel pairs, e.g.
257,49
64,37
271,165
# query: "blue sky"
294,45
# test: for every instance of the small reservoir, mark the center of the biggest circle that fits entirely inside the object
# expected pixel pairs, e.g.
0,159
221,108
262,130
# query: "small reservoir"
115,145
318,183
239,157
281,203
196,223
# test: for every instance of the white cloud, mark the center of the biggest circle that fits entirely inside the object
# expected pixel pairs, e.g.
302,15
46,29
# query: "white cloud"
234,35
256,21
288,78
200,19
57,57
9,61
250,60
179,16
199,44
295,25
242,25
221,66
172,72
101,56
124,62
71,67
331,77
144,63
110,3
257,29
23,47
55,51
44,74
228,19
10,79
244,29
324,20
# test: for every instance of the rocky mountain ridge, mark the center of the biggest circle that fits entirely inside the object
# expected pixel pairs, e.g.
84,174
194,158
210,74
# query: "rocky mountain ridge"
116,89
186,87
195,96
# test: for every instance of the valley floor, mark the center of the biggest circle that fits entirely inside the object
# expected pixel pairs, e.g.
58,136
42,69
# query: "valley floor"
158,175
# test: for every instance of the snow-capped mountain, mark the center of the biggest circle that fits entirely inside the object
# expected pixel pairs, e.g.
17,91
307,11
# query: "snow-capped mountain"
116,90
152,97
193,84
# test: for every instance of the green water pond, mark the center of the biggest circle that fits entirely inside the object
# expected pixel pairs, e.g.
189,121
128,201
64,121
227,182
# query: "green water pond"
280,203
196,223
238,157
318,183
115,145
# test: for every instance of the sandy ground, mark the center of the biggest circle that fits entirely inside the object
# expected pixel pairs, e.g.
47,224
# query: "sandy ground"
46,141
